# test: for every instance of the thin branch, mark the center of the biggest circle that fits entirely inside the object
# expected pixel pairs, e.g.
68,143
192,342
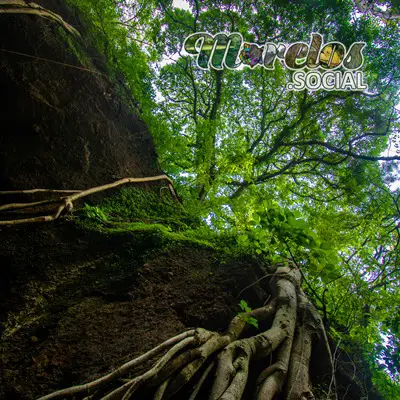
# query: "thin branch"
339,150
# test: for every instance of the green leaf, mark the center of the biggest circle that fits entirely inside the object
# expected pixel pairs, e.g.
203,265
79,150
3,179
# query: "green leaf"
325,246
252,321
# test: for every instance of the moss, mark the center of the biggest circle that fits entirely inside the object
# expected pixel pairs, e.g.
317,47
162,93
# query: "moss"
135,209
131,203
73,47
142,211
166,236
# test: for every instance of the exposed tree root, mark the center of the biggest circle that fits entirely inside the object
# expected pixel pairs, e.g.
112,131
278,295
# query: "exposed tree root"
27,7
66,203
204,364
120,371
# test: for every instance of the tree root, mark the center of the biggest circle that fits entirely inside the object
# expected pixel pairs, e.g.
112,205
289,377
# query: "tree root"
295,330
120,371
24,7
66,203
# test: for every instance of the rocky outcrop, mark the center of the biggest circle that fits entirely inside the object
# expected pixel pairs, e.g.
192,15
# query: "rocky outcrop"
63,127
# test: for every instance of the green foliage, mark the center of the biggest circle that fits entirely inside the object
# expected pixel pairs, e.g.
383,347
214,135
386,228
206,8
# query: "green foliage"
131,209
94,213
131,203
245,315
127,64
264,171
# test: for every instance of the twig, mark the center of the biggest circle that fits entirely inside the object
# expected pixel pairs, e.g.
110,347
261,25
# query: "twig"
334,361
53,61
252,284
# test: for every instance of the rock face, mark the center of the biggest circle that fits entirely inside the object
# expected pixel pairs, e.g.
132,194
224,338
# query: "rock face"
62,127
94,301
